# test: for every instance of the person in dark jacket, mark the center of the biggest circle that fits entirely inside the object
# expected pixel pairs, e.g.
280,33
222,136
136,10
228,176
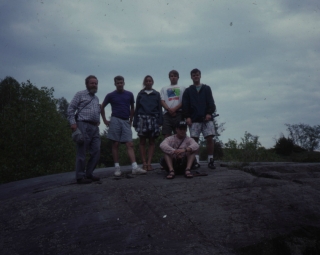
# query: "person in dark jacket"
197,107
148,119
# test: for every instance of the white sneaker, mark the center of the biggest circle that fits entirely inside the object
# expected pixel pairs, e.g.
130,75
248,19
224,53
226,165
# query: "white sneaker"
138,170
117,172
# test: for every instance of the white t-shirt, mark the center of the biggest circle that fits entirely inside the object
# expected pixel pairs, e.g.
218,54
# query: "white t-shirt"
172,95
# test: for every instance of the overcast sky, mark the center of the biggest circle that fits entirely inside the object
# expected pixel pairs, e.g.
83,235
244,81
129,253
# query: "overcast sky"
261,58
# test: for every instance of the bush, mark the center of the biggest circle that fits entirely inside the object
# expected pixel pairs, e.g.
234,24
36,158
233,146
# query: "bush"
248,150
284,146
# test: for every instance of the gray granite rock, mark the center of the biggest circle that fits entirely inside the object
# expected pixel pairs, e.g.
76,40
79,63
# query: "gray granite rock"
258,209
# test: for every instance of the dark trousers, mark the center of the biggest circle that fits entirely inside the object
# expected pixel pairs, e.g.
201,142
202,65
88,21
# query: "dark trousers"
92,144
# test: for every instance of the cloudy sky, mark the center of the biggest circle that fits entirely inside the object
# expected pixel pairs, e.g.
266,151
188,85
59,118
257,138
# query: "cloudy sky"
261,58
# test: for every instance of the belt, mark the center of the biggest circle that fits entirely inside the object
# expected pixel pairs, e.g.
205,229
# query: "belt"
90,122
120,118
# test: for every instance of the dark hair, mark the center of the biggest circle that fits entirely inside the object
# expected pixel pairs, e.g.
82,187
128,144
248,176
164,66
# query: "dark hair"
195,71
174,72
144,80
118,78
90,77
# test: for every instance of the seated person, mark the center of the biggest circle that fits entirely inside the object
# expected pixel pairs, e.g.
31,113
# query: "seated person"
179,152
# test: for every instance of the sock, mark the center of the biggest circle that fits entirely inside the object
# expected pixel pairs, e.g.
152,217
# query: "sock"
134,165
197,158
209,157
116,164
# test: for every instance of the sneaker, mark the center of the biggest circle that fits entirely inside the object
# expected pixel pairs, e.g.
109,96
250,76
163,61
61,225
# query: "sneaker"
93,178
84,181
117,172
211,164
138,170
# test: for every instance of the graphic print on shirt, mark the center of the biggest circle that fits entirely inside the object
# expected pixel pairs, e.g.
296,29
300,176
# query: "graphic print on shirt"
173,93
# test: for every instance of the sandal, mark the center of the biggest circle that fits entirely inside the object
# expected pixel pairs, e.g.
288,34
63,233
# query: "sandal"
145,166
149,168
171,175
188,174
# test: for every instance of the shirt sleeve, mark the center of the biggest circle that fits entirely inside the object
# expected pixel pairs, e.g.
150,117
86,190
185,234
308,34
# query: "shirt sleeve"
73,106
106,100
210,107
186,104
166,147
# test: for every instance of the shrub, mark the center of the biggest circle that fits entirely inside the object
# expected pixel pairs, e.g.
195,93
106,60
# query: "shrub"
284,146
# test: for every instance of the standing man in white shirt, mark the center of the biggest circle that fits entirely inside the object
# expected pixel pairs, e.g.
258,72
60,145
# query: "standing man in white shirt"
171,100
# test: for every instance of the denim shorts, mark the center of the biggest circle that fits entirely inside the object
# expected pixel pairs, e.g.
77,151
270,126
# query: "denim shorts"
119,130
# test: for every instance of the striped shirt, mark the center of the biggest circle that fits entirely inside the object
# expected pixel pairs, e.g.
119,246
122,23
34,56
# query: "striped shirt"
90,112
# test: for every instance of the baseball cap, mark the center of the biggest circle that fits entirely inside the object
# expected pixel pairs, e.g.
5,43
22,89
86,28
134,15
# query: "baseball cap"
181,125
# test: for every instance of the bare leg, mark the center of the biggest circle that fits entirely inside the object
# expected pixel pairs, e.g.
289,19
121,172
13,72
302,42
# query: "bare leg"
142,147
150,151
168,160
130,151
210,144
190,160
115,151
197,140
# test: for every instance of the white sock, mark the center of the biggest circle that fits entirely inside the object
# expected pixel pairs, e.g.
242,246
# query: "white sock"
116,164
197,158
134,165
209,157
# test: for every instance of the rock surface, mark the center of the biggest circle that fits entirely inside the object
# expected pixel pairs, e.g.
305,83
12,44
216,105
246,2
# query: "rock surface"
260,209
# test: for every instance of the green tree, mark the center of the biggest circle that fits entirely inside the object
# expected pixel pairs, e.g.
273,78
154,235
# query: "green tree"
62,107
304,135
35,139
248,150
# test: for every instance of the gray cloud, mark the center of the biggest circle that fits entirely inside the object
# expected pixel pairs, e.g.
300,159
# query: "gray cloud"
263,69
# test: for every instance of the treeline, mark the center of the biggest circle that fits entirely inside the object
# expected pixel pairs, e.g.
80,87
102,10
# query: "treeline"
36,137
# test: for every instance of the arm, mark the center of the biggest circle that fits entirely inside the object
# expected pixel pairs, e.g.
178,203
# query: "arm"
103,115
160,120
171,111
191,145
177,107
186,106
164,105
166,147
210,105
73,106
